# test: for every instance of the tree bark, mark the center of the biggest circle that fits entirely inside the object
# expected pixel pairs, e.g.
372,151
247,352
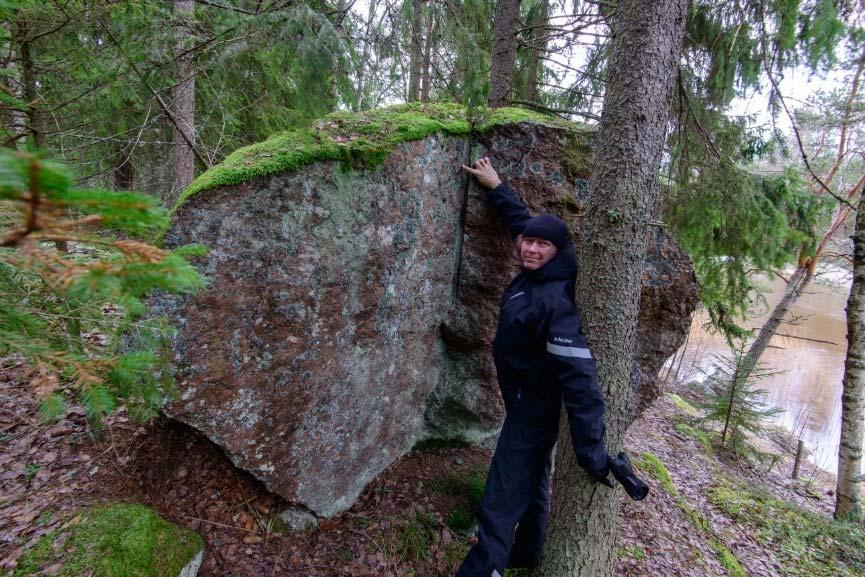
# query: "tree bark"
429,48
28,77
31,97
800,448
362,81
623,194
538,45
183,104
124,173
848,501
507,18
416,52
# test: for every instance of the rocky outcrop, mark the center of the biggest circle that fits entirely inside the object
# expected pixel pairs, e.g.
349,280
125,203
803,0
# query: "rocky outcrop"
351,310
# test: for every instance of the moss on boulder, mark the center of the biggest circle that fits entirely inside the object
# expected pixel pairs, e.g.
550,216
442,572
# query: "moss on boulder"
357,138
116,540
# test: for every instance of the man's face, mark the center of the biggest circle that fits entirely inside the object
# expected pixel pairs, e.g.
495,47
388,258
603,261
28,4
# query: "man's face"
535,252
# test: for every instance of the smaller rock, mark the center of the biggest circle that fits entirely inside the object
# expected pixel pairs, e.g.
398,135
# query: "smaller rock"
298,519
191,568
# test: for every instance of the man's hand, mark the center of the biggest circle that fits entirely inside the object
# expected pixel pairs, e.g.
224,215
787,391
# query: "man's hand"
484,172
600,475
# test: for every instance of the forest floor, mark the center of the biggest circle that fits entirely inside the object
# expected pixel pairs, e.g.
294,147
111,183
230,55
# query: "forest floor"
709,513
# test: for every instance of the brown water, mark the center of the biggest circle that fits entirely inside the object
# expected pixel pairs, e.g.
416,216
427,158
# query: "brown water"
808,384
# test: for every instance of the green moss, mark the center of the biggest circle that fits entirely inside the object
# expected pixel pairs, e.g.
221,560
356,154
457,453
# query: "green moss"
631,551
806,544
117,540
725,556
577,158
683,405
357,139
652,465
655,467
701,436
728,559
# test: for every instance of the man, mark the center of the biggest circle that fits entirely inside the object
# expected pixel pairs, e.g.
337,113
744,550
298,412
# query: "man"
542,359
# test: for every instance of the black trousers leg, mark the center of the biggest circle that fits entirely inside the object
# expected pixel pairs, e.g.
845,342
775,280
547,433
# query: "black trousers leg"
520,464
531,530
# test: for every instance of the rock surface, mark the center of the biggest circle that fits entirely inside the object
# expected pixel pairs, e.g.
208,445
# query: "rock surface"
350,313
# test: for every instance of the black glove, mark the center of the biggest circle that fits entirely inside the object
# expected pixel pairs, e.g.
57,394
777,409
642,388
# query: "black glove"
600,475
624,474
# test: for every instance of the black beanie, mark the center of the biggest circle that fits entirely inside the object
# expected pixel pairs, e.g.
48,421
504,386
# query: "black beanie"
548,227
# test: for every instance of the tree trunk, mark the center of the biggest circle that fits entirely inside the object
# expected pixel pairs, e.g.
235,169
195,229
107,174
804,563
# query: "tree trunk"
31,97
797,283
416,52
507,19
623,194
800,449
183,105
124,173
15,119
537,48
429,48
362,81
848,501
28,76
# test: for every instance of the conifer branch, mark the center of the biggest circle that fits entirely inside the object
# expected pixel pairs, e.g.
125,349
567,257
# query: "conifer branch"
777,91
559,111
158,98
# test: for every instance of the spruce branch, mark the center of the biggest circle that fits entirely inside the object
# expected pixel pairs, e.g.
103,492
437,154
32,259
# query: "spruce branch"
165,108
767,67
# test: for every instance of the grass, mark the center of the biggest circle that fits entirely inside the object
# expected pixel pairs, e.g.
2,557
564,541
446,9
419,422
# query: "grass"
116,540
467,485
363,139
410,541
460,520
805,543
468,482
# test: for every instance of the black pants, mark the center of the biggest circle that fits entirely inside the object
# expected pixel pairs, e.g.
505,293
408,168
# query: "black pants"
513,513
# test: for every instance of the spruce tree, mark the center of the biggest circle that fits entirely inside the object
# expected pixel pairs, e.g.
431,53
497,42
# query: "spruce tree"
733,401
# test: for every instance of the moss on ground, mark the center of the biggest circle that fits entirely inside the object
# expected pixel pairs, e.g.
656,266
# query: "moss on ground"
683,405
359,139
727,559
805,543
655,467
116,540
701,436
652,465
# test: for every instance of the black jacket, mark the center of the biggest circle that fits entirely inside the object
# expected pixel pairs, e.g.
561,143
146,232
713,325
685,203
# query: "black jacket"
542,358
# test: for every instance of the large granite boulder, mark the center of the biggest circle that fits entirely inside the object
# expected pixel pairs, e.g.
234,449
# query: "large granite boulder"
354,283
